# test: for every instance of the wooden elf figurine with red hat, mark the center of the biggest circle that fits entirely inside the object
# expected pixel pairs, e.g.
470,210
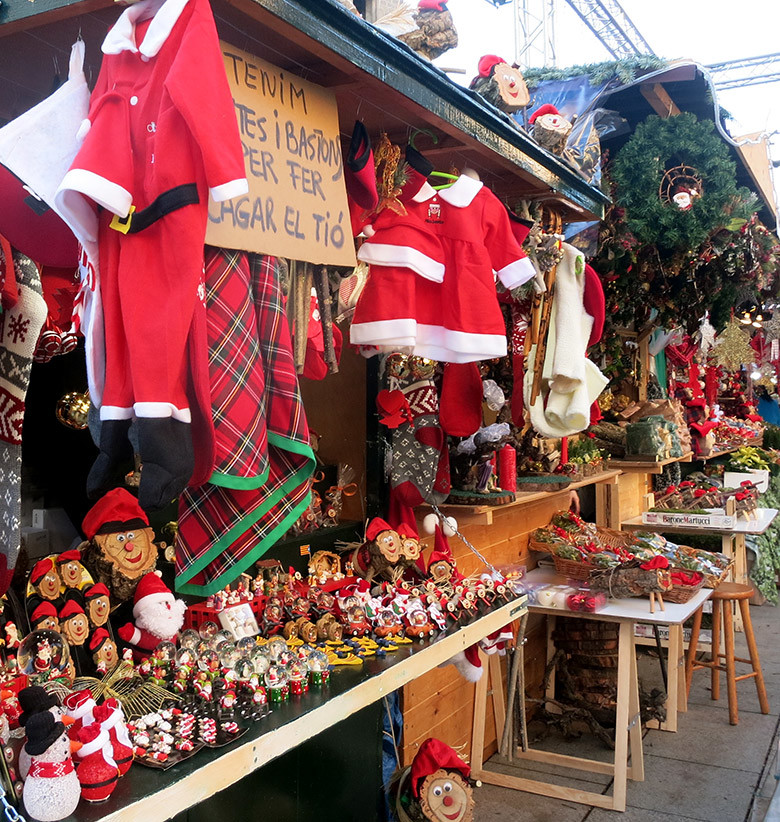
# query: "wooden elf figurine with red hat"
44,617
70,569
158,616
436,787
74,625
500,84
45,579
104,650
435,33
380,554
550,128
121,547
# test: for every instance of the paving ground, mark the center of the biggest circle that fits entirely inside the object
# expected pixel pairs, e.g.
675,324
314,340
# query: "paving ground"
708,771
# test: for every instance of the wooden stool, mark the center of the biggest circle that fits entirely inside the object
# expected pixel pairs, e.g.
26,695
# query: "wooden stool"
722,597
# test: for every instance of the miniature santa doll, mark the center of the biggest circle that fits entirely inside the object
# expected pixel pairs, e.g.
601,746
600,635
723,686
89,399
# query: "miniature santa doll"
45,579
104,652
79,705
74,623
71,569
97,771
112,720
44,617
158,615
98,605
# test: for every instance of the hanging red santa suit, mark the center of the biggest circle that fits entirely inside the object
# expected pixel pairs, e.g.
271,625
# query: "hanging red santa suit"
432,284
160,138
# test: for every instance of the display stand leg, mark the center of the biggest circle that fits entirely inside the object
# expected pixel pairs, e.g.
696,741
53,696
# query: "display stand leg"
628,736
635,725
733,546
550,692
608,504
497,691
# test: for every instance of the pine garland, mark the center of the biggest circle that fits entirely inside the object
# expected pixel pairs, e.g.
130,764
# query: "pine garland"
657,145
625,70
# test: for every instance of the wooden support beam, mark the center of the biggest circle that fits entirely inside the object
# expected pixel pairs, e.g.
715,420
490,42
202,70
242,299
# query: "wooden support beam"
659,99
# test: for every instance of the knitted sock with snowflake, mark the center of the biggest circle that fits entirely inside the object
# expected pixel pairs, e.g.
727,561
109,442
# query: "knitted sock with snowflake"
20,327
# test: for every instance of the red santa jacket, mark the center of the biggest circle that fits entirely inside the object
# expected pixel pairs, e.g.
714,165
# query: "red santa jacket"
432,285
161,114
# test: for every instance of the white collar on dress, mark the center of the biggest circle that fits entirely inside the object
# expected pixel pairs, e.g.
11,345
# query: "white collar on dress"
459,194
164,14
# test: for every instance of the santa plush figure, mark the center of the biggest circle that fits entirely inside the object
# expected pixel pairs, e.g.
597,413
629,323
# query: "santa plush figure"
97,771
79,706
111,719
158,616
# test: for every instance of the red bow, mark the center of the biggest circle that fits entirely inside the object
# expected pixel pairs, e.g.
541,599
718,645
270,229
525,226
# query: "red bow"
395,408
655,563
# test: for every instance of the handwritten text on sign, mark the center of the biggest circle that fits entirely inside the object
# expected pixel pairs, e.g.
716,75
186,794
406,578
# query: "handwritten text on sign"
297,202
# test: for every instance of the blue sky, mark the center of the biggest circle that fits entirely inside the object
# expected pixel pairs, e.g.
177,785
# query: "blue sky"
707,31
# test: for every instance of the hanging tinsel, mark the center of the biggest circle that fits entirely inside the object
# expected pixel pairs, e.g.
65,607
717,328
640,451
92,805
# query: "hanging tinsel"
732,347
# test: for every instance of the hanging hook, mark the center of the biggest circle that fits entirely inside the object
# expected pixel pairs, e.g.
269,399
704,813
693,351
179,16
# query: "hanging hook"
427,132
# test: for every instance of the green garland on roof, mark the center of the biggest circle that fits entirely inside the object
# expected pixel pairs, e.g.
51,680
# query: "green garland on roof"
626,70
656,146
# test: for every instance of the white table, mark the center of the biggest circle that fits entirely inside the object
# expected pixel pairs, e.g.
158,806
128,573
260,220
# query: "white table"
628,730
732,540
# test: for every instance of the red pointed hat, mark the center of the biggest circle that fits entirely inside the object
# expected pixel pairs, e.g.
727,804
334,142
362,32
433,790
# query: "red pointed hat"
96,641
97,590
547,108
433,756
375,528
69,556
113,512
71,609
44,610
40,569
487,63
441,548
77,699
152,589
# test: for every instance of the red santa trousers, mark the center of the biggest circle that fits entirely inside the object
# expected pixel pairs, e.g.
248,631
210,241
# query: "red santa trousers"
260,484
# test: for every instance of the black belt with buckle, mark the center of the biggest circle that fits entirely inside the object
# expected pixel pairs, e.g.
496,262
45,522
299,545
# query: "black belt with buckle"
168,201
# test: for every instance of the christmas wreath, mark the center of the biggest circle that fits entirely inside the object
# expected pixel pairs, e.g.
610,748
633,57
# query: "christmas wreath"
656,147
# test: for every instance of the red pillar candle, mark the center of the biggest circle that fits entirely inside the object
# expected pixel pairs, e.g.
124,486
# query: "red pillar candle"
564,450
507,468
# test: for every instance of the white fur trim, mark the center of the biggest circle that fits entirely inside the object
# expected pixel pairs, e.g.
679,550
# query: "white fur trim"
135,638
382,254
446,345
150,599
104,192
384,332
121,37
517,273
460,194
115,412
471,673
226,191
99,742
84,128
160,410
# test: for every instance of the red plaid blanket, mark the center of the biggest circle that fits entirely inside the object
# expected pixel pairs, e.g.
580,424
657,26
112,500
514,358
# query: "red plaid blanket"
263,461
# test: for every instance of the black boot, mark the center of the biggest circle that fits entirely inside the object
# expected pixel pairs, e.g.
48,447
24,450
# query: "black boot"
113,461
167,460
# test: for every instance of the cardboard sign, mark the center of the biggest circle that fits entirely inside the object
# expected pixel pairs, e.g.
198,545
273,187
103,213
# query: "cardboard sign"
297,202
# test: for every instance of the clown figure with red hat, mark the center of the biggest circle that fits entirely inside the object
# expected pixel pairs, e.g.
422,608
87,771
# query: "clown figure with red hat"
121,545
158,616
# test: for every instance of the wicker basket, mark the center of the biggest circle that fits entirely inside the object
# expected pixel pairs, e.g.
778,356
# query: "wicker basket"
541,547
616,539
680,594
571,568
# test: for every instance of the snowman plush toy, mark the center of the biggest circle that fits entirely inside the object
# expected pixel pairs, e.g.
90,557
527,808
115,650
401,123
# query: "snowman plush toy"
51,790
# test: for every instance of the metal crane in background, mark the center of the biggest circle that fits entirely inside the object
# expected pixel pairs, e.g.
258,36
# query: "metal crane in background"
751,71
535,29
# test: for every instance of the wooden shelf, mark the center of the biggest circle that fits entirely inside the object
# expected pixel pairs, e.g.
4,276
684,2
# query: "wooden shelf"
648,465
485,512
147,795
763,519
715,454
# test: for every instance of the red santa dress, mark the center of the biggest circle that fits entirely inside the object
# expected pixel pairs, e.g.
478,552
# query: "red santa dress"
161,124
431,285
